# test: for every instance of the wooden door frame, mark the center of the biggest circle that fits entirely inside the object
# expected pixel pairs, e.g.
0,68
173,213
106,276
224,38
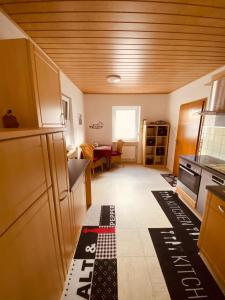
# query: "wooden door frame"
199,131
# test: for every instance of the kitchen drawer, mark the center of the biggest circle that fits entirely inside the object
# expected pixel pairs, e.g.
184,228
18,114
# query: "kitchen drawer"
218,205
24,176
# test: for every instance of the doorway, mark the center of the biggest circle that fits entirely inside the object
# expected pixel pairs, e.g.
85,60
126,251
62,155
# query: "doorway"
188,132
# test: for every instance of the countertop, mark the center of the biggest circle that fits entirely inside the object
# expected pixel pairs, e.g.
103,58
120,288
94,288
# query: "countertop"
218,190
203,161
76,167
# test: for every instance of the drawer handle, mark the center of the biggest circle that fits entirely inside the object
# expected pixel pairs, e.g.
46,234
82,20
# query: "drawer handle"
64,197
221,209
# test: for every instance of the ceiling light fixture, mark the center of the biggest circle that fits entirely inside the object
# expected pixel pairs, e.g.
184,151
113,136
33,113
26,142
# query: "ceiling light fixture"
113,78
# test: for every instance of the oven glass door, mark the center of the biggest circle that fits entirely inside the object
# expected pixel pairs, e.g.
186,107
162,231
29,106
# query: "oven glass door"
189,178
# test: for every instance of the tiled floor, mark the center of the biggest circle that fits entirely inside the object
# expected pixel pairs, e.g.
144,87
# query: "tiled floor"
129,189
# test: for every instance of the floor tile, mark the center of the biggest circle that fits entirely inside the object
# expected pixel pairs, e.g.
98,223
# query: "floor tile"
133,279
129,242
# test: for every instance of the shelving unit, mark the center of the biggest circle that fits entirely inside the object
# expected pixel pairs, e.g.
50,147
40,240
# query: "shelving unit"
155,144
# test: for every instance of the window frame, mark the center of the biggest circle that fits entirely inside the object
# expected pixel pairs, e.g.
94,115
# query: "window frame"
137,121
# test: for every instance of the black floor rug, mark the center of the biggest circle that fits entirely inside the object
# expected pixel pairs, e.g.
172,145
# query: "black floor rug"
185,273
170,178
93,274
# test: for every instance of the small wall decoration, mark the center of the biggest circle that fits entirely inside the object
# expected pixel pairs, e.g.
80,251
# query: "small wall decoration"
80,122
98,125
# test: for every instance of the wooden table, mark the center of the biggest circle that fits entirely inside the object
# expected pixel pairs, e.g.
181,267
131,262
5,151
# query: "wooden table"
103,151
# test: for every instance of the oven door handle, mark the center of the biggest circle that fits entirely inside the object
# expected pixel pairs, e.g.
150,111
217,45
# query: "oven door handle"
189,172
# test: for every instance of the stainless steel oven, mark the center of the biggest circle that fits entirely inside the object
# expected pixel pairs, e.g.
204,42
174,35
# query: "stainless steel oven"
189,178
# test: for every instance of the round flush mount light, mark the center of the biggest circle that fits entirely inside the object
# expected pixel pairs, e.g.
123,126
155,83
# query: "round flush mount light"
113,78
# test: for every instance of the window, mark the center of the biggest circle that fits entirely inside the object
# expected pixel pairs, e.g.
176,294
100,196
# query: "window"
68,116
125,122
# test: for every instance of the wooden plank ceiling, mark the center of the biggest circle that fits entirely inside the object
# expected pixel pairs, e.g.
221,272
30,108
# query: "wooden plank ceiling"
155,46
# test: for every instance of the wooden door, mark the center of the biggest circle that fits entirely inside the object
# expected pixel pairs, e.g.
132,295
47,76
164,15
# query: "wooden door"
30,261
62,194
47,90
188,131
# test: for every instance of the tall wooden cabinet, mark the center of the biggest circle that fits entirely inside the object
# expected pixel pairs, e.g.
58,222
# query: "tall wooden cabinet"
40,218
30,257
29,85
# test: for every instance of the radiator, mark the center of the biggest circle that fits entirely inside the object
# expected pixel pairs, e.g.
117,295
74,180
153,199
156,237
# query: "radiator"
129,153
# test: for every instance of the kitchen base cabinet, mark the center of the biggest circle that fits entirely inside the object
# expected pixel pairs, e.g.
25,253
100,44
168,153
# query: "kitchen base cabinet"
29,255
79,206
212,237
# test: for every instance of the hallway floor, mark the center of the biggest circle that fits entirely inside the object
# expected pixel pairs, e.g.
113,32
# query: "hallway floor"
129,189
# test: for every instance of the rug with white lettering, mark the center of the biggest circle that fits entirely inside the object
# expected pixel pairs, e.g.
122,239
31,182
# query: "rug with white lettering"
185,273
93,272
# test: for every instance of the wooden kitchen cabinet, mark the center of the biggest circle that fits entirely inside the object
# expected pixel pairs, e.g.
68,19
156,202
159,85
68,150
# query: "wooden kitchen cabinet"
29,255
24,175
79,206
39,220
212,237
59,172
29,85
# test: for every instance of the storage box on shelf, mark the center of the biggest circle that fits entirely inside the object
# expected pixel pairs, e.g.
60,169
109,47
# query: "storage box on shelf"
29,85
155,144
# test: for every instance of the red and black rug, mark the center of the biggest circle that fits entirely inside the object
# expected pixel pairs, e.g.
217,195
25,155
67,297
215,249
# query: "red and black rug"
93,273
185,273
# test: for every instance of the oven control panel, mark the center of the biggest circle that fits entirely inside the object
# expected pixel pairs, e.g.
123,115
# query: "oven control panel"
190,166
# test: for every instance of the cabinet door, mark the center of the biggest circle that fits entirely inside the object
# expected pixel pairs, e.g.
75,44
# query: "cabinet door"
211,237
24,176
61,193
79,205
16,89
47,90
29,255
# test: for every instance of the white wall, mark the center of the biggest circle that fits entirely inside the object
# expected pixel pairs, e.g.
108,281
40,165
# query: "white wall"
191,92
98,107
8,29
71,91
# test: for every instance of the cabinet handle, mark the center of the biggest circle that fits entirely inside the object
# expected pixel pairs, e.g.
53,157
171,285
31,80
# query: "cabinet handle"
221,209
64,197
63,122
189,172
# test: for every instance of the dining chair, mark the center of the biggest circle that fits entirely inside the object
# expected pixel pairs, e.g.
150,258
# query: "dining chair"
88,153
116,155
